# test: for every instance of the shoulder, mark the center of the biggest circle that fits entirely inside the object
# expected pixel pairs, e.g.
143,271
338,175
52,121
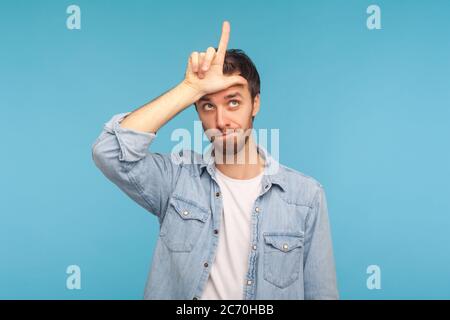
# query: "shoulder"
300,188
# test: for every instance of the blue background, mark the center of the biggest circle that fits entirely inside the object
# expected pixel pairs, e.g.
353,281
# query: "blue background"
365,112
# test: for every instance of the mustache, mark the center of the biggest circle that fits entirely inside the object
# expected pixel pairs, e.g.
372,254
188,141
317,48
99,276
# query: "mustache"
214,133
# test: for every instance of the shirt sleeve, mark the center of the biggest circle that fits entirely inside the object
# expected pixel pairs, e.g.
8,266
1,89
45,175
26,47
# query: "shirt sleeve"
319,267
122,155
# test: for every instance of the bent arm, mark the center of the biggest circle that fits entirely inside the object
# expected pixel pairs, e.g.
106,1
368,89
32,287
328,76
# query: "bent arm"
123,157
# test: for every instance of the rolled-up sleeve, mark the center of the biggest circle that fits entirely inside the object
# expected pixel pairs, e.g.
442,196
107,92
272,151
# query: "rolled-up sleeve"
319,266
124,158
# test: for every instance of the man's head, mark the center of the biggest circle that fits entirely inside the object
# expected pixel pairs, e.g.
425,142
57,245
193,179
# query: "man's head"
232,110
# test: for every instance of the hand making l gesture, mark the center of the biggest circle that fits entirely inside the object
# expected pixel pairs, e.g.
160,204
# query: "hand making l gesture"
205,69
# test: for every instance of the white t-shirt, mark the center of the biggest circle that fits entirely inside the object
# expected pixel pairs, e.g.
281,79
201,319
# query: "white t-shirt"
228,271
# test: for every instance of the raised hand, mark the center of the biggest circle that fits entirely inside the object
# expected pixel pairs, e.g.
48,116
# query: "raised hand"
205,69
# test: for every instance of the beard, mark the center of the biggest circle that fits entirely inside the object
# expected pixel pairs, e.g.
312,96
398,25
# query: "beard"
231,148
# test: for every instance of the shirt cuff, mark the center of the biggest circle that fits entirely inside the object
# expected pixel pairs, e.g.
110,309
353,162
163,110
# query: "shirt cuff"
133,144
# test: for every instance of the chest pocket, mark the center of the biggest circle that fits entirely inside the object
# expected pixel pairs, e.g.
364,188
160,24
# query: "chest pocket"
182,224
283,257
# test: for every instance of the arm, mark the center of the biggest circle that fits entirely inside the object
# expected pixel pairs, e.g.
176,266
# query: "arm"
121,150
319,268
153,115
122,156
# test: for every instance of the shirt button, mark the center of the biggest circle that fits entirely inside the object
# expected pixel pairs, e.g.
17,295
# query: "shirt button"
217,194
285,247
206,264
257,209
185,212
216,231
254,247
249,282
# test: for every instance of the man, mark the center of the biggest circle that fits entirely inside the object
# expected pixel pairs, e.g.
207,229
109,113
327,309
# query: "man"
236,224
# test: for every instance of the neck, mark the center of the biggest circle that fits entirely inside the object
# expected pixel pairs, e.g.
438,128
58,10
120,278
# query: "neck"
247,164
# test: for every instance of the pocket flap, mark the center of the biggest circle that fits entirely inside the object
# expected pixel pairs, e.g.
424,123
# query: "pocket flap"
188,209
284,241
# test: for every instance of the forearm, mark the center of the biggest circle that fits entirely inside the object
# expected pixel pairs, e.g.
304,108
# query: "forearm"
155,114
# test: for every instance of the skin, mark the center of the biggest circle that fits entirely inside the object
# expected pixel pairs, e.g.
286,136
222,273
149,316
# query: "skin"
226,120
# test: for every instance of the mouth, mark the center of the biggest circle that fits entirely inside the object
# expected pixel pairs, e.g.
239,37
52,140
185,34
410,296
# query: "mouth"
226,135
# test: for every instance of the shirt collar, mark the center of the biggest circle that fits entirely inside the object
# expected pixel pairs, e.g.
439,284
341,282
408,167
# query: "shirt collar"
273,173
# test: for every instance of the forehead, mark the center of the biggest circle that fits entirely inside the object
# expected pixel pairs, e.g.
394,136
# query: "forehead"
241,89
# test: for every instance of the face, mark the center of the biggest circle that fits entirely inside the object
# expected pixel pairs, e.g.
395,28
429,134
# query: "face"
227,117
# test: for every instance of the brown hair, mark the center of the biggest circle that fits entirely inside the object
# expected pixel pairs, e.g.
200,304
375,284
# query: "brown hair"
237,60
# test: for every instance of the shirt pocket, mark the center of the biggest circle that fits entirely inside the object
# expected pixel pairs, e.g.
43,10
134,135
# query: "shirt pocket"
182,224
283,257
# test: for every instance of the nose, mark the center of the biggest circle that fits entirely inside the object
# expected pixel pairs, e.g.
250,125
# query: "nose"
222,120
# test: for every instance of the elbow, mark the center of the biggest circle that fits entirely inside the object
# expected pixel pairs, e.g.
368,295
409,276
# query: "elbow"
97,156
100,154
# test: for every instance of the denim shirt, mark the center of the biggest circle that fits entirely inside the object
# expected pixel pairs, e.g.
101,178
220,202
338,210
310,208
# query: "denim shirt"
291,254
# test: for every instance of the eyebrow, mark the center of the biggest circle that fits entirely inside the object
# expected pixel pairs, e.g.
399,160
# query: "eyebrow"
229,96
232,95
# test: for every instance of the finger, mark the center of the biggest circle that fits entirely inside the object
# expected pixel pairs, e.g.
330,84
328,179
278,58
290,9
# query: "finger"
194,61
209,56
189,66
200,62
235,80
222,49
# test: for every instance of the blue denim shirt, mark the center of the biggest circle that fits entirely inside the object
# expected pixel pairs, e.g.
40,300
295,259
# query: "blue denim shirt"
292,257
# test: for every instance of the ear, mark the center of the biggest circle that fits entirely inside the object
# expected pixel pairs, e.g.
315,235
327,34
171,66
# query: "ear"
256,104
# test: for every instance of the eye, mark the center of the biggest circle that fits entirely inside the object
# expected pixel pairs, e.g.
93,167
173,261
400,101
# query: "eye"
234,103
207,106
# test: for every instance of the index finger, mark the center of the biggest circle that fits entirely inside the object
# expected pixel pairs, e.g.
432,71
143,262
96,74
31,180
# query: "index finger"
222,49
